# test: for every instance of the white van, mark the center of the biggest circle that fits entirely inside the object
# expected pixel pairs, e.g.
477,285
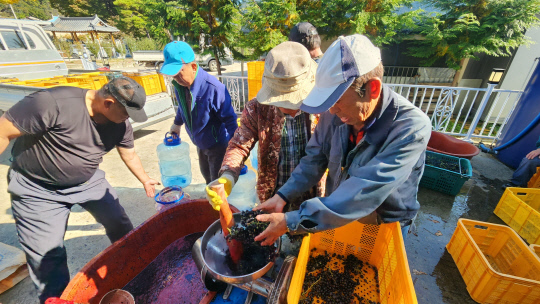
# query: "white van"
26,52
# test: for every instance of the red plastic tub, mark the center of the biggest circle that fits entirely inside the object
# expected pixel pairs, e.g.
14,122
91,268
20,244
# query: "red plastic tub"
446,144
119,263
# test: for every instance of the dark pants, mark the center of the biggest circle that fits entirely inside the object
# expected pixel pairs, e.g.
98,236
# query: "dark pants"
523,173
41,216
210,161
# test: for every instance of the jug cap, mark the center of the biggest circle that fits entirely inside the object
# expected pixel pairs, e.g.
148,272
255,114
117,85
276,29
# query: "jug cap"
169,195
244,170
171,139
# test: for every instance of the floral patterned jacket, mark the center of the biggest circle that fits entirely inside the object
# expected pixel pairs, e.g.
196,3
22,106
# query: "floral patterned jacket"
262,123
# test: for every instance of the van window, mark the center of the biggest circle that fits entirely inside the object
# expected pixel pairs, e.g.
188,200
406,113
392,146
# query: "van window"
2,47
13,40
30,41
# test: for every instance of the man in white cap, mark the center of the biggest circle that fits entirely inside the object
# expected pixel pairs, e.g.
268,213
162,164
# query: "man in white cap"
372,141
274,120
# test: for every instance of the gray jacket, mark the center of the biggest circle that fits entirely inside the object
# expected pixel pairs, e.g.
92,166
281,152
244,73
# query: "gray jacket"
381,173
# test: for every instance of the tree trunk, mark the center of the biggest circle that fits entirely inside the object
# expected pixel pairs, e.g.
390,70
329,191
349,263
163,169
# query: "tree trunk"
216,53
459,73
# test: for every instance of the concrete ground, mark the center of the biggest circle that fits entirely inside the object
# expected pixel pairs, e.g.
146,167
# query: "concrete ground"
435,275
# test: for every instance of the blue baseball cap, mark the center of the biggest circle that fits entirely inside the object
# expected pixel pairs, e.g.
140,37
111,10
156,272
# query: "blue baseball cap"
176,53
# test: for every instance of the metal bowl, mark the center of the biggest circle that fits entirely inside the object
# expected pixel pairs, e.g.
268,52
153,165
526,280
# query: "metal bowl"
213,252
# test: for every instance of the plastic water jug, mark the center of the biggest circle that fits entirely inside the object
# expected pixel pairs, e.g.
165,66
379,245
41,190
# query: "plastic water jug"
170,196
174,161
253,156
244,194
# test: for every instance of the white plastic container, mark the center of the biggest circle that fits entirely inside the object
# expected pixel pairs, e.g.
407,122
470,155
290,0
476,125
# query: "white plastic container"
174,161
244,193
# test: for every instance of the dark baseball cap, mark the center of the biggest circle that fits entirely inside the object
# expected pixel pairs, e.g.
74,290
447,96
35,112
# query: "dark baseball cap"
301,31
130,94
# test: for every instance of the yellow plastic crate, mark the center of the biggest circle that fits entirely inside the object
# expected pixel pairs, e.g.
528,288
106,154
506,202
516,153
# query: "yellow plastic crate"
84,82
150,83
381,246
102,79
495,263
37,80
255,69
520,209
155,78
162,83
534,182
253,88
22,83
5,80
255,74
536,249
59,80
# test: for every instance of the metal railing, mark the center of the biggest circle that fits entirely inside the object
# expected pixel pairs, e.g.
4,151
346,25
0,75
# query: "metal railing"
458,111
417,75
237,87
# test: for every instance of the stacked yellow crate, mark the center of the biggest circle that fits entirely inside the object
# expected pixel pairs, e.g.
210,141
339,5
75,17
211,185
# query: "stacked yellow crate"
6,80
149,81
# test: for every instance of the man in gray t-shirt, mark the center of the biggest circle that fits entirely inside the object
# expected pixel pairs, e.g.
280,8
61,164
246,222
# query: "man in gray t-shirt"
61,137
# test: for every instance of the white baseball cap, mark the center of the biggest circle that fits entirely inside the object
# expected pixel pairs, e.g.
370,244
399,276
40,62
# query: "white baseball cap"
345,60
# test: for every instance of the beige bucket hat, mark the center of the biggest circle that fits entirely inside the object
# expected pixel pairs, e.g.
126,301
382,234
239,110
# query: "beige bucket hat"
289,76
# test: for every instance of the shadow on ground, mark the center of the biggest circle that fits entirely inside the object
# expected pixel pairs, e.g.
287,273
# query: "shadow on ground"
435,275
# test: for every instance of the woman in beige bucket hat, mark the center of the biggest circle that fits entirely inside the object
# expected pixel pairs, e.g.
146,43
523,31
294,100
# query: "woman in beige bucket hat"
274,120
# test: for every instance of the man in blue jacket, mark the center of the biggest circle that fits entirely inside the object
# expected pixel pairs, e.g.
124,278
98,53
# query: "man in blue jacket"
204,106
371,140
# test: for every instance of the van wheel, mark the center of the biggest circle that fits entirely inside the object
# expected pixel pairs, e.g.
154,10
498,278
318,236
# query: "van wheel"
212,65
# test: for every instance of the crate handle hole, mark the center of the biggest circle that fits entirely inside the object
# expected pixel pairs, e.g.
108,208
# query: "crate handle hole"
480,227
521,193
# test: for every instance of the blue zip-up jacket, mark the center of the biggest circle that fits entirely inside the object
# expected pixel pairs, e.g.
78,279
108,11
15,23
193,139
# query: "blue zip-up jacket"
381,173
213,119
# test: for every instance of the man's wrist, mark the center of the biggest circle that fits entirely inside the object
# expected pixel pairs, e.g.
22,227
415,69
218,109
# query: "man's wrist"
283,197
292,219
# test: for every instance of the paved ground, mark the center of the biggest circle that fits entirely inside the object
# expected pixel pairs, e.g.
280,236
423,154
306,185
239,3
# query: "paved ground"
426,251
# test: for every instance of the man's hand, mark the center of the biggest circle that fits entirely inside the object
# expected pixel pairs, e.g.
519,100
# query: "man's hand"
150,187
277,228
274,204
133,162
533,154
175,129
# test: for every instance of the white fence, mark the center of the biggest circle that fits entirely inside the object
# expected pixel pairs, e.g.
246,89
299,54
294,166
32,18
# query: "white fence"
467,112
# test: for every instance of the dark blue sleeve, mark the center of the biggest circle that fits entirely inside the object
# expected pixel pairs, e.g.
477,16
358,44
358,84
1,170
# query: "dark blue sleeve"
178,119
538,143
225,111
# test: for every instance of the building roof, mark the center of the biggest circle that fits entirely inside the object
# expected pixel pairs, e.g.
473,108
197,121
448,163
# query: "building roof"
80,24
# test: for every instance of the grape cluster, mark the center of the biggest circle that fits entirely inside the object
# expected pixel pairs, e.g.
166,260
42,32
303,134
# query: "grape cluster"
255,256
333,278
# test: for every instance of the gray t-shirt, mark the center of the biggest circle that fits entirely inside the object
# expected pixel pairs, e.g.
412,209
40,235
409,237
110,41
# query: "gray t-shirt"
62,146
